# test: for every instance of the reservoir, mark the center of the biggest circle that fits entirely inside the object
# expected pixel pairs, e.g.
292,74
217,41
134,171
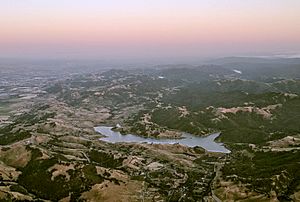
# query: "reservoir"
189,140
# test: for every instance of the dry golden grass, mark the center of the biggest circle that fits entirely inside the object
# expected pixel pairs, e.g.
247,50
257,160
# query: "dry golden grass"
58,170
16,156
8,173
110,192
229,191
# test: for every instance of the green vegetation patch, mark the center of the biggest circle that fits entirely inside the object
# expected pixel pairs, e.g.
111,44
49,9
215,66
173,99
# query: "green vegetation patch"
266,171
36,179
104,159
10,137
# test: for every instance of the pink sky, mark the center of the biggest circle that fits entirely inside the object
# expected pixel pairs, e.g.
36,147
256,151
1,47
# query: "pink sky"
196,28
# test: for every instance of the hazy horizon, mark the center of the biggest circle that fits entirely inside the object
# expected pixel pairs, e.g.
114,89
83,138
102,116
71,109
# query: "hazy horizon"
161,30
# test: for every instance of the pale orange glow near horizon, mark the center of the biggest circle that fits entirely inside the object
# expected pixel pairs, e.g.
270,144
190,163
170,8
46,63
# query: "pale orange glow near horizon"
202,28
